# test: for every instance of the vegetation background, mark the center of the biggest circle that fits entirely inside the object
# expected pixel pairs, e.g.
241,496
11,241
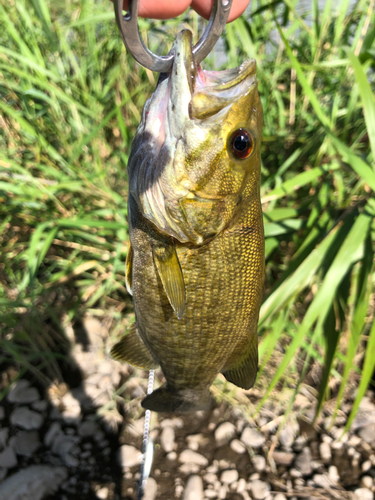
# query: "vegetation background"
70,102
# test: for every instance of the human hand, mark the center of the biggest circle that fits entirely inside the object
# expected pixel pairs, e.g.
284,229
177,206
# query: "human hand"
167,9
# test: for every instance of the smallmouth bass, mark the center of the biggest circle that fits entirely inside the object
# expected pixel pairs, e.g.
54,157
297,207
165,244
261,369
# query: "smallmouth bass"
196,262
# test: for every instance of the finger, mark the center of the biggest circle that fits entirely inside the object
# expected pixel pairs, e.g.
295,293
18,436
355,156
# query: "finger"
162,9
204,8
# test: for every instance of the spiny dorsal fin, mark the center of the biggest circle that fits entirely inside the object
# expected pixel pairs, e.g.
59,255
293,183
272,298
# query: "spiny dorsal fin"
244,371
132,350
128,271
169,269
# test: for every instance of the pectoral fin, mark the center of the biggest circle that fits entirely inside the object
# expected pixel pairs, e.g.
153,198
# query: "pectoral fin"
131,349
128,271
169,269
243,372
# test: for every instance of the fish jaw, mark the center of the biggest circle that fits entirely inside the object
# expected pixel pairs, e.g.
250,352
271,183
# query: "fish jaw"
182,174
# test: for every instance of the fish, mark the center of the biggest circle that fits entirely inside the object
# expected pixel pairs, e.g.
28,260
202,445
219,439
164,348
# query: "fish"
195,267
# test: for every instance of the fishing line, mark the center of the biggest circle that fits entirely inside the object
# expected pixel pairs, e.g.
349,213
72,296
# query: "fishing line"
147,445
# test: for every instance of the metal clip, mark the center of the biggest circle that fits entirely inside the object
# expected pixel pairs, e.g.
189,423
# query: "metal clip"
128,27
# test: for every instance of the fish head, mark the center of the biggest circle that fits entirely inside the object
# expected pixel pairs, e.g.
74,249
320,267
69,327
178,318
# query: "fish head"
195,160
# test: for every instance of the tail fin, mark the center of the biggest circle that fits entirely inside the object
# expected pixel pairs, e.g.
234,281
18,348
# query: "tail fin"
166,399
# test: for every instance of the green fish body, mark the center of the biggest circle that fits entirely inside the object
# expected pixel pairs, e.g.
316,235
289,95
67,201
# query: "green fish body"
196,263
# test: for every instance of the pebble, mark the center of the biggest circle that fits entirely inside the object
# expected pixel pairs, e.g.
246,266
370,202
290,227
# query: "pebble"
303,462
280,496
241,485
194,488
172,455
210,494
252,438
150,489
192,457
8,458
88,428
26,419
322,481
175,422
3,473
325,452
35,482
2,413
367,482
259,489
129,456
224,433
333,473
283,457
40,406
26,443
229,476
223,490
210,477
367,433
237,446
53,431
259,463
167,438
364,494
366,466
103,493
3,437
288,435
21,392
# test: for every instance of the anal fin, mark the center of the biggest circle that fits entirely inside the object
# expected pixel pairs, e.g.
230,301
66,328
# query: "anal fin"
131,349
243,371
169,269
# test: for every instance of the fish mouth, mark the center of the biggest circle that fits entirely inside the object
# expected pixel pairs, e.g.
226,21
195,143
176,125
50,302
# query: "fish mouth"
199,93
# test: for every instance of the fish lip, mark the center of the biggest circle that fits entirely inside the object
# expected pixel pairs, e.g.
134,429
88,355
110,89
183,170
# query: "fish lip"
183,52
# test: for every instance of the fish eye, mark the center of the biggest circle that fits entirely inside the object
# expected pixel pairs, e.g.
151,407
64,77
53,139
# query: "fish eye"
241,143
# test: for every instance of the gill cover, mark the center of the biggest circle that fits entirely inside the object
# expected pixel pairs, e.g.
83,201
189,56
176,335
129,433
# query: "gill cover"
182,174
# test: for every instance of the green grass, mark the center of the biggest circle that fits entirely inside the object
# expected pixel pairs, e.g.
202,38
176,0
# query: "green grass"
70,102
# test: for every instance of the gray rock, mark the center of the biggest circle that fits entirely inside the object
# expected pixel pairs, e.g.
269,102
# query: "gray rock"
129,456
8,458
192,457
3,473
193,488
26,419
167,438
303,462
288,435
238,447
283,457
35,482
224,433
259,463
53,431
40,405
259,489
3,437
21,392
64,444
88,428
367,433
70,460
229,476
150,489
2,413
26,443
252,438
364,494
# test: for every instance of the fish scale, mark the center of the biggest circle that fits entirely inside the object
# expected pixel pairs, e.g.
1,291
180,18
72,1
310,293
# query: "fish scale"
196,264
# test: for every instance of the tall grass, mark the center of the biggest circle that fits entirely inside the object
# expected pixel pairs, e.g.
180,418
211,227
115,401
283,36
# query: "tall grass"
70,101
